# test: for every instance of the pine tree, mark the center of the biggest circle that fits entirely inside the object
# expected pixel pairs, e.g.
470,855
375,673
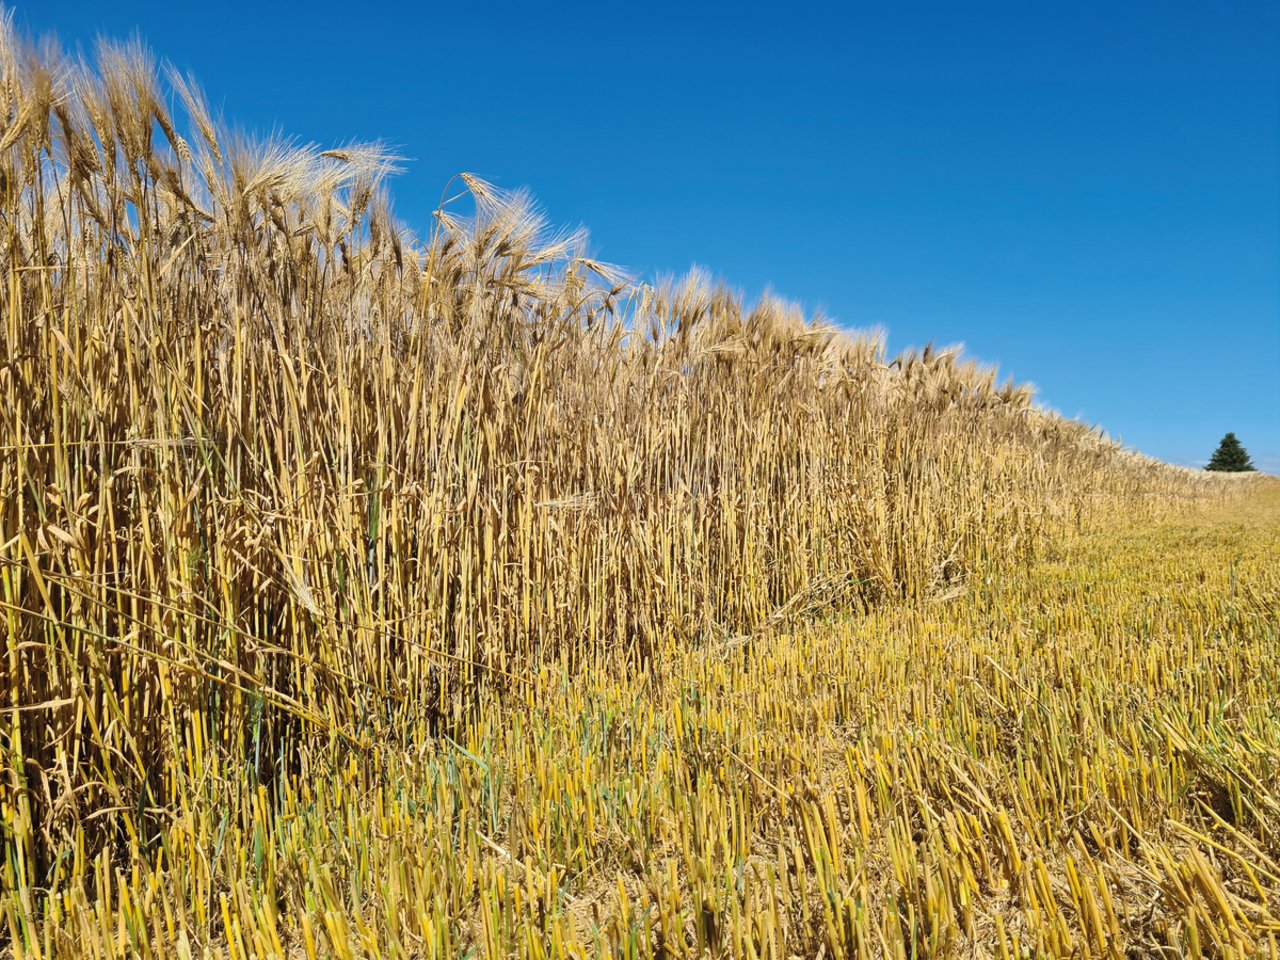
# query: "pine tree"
1230,457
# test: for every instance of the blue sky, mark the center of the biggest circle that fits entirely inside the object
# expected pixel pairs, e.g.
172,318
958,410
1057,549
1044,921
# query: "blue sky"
1087,194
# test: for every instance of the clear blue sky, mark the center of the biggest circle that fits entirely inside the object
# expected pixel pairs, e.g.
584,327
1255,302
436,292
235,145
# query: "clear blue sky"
1087,194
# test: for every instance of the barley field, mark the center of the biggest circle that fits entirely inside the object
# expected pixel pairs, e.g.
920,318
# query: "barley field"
372,593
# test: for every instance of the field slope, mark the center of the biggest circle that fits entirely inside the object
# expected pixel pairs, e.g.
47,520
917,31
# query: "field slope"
1082,759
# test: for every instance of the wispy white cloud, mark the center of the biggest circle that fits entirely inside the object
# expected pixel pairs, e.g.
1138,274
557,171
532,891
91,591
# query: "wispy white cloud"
1268,462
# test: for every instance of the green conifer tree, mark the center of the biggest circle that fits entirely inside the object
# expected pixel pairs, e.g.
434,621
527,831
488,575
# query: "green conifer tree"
1230,457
